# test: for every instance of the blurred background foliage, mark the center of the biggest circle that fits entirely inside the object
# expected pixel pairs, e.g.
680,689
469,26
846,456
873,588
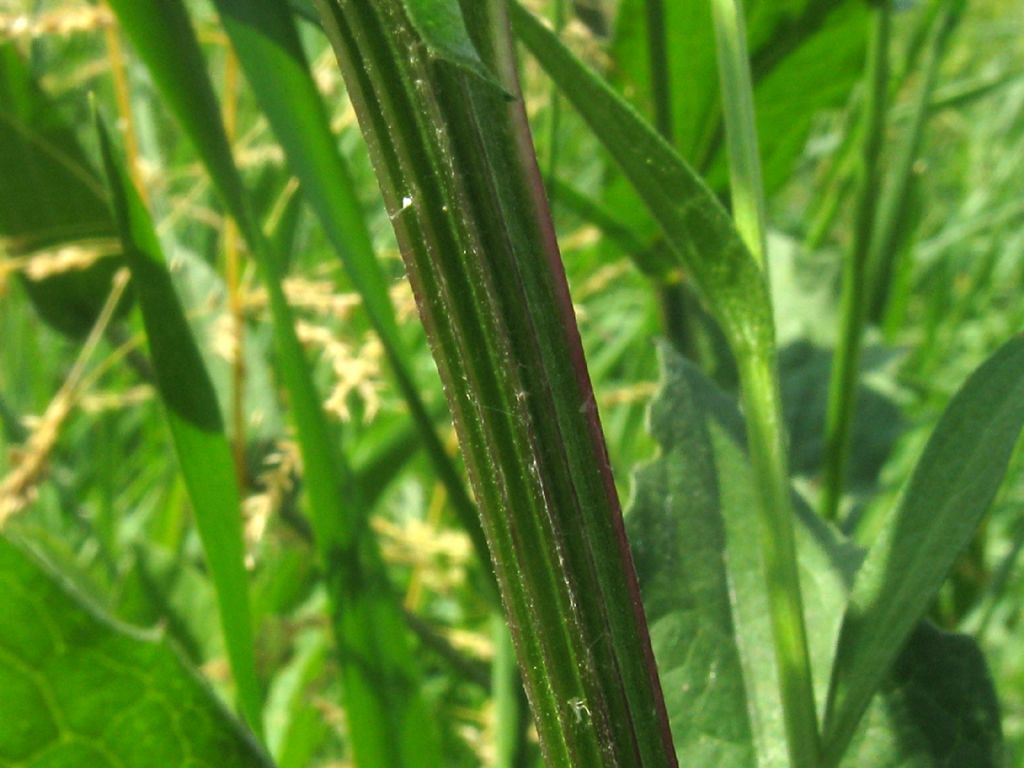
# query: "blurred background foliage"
86,470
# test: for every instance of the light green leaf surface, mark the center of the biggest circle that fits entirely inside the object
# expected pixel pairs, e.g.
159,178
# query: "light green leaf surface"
698,559
937,708
197,428
939,510
80,690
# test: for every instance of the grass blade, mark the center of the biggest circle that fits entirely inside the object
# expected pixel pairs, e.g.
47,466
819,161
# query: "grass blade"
854,298
389,725
697,226
939,510
746,187
197,428
893,208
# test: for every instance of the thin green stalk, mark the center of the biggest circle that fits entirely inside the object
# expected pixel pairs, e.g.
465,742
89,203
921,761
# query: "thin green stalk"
883,258
746,187
759,387
761,404
554,113
511,743
853,303
677,310
657,53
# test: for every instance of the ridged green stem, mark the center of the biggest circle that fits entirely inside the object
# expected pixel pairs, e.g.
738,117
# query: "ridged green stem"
763,412
458,171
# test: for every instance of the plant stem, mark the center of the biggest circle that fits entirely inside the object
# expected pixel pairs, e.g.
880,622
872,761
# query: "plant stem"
883,258
554,113
846,362
458,171
661,90
678,314
761,404
758,371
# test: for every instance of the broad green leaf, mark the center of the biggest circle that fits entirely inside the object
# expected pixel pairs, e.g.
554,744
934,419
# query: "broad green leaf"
939,510
696,225
51,197
197,428
937,707
79,689
698,559
879,423
386,713
698,554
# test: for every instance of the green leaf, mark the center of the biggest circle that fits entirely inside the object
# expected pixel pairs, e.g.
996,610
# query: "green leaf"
197,428
937,707
442,29
805,56
699,559
879,422
696,225
939,510
699,562
82,690
51,197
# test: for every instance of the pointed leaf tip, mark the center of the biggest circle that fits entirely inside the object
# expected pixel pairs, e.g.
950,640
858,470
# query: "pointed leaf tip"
442,27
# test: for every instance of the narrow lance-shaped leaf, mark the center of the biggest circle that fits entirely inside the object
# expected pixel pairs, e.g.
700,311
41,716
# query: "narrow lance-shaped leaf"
694,221
457,169
939,510
388,722
197,428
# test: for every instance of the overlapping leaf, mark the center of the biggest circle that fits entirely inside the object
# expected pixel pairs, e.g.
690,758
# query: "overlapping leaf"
699,561
79,689
197,428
